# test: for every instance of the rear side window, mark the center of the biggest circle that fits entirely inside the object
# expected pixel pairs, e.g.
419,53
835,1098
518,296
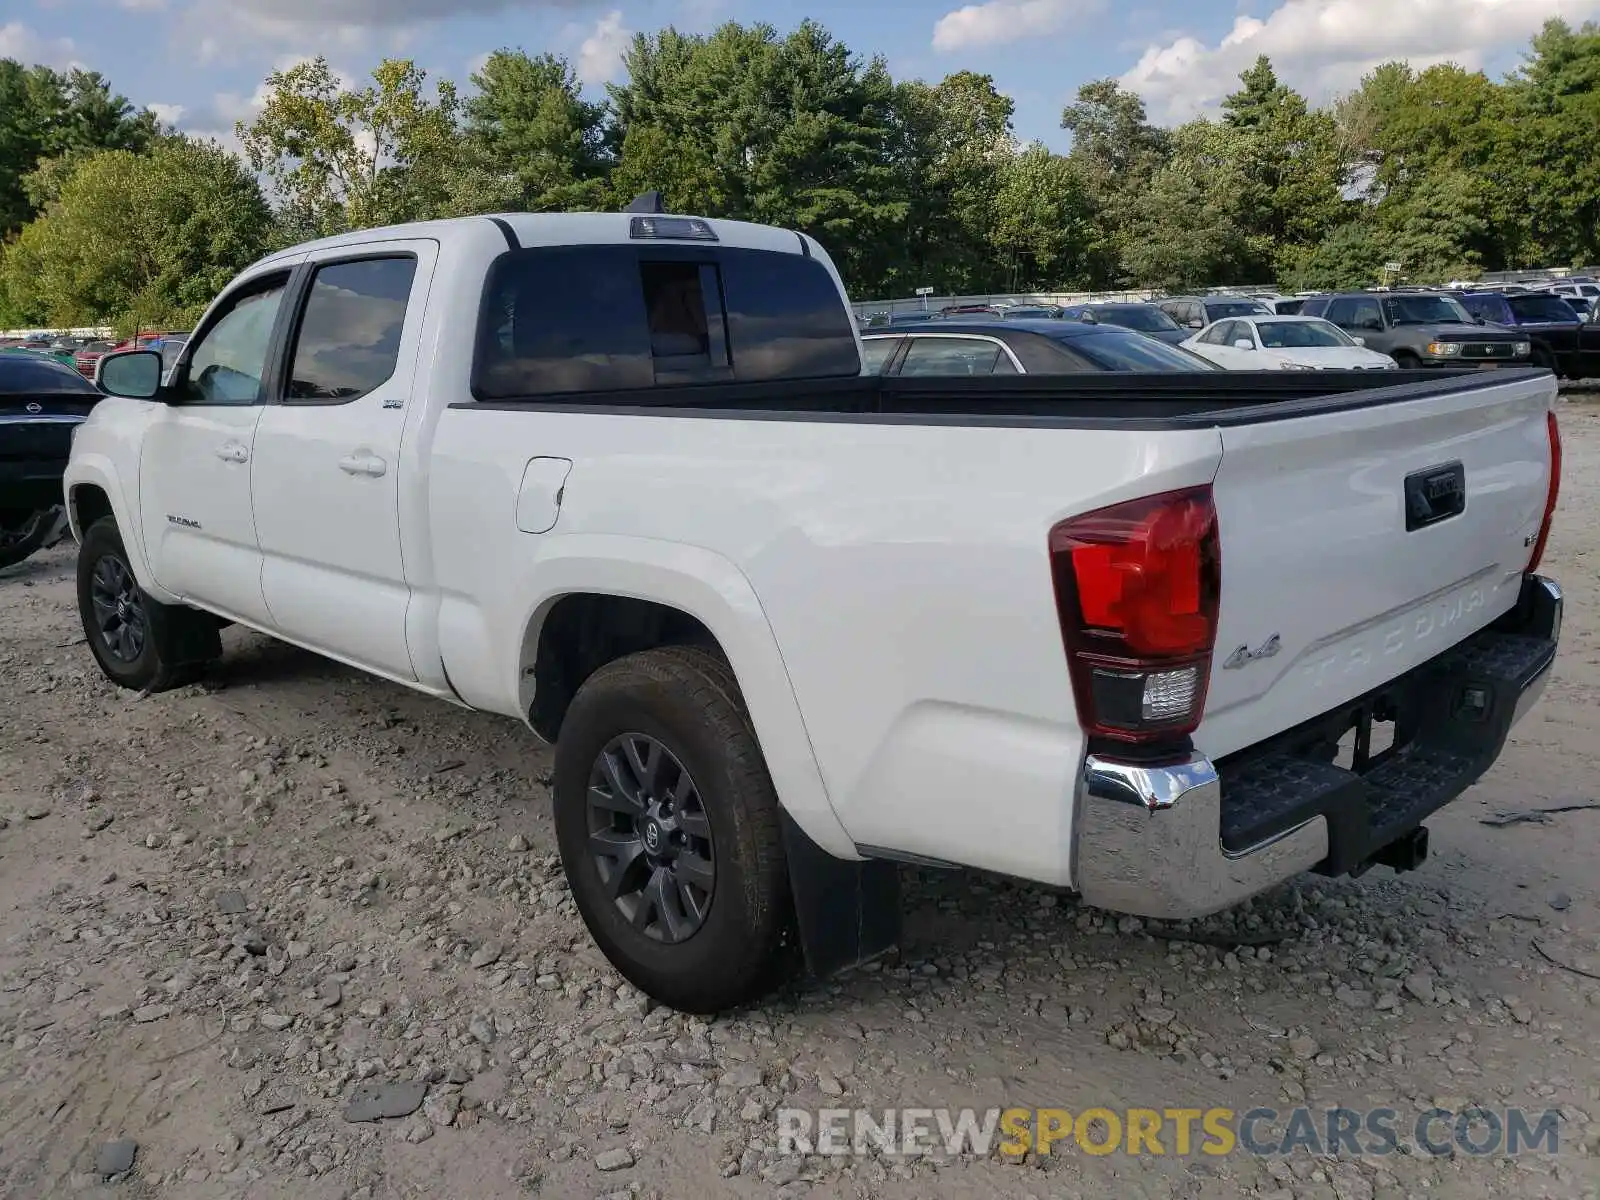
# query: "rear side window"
616,318
875,352
348,342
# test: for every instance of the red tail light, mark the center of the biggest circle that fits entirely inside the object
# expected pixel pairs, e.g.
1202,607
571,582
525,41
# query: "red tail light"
1136,589
1555,490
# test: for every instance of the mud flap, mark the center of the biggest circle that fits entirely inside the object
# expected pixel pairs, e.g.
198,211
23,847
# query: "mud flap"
848,912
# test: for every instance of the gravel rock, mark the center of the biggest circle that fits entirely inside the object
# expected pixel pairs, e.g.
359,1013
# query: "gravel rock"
116,1158
378,1101
618,1159
1420,987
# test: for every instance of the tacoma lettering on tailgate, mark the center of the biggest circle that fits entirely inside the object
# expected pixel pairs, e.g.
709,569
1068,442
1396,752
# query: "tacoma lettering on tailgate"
1391,637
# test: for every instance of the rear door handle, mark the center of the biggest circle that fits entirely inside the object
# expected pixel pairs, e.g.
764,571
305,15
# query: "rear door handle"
234,452
363,463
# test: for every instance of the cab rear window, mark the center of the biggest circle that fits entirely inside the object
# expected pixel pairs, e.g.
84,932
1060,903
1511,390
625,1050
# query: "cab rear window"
562,320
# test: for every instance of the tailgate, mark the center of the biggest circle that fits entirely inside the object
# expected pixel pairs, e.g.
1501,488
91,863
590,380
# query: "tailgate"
1321,553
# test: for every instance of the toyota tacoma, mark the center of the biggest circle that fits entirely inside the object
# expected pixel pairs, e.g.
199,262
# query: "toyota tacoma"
1163,639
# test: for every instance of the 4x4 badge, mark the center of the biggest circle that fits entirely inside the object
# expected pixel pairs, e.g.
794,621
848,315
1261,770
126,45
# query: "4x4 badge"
1244,656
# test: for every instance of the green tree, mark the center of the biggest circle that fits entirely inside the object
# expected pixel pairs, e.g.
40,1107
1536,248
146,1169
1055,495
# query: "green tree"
1284,166
1351,256
46,114
1117,152
534,141
792,131
1043,224
951,149
342,159
147,238
1555,99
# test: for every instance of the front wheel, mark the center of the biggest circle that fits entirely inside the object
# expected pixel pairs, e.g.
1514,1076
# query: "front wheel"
669,831
139,642
1406,361
23,532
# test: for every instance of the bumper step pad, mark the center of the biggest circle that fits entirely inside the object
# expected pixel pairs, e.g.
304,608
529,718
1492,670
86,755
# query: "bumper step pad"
1451,717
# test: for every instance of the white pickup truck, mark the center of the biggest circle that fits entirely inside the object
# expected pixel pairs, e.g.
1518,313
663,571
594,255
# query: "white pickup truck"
1166,640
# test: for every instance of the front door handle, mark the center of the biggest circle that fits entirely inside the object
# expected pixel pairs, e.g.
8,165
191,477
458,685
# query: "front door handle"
363,463
234,452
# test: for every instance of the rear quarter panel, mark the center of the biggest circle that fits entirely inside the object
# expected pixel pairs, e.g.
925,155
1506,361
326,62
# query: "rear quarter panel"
899,571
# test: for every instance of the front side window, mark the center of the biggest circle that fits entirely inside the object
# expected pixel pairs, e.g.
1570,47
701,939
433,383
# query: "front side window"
348,342
950,356
230,359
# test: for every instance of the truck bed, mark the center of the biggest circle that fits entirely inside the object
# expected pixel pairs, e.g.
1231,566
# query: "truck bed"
1110,400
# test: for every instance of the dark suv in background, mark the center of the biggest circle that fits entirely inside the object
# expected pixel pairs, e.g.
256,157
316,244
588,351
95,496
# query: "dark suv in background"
1562,340
1421,329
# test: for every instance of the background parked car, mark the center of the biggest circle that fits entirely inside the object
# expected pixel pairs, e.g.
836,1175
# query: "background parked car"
1196,312
1421,329
41,400
1000,347
1562,340
1286,343
1143,318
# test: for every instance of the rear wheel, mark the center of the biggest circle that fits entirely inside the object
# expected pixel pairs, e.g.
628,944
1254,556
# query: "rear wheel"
669,832
23,532
139,642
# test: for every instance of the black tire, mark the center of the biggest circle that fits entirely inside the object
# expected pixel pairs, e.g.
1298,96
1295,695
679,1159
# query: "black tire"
687,701
1406,361
140,643
23,533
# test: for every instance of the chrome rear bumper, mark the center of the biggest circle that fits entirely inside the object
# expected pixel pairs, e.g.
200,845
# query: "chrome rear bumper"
1149,841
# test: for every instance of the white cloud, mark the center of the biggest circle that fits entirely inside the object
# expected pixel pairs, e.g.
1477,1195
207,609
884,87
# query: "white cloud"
999,21
21,43
1323,47
600,55
167,114
144,5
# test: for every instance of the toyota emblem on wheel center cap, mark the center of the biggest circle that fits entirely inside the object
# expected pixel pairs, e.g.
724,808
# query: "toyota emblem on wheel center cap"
652,836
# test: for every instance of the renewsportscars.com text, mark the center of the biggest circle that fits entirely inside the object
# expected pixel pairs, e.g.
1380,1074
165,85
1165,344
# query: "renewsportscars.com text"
1014,1132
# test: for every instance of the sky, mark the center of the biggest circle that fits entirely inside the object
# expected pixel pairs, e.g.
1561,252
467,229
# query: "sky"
200,63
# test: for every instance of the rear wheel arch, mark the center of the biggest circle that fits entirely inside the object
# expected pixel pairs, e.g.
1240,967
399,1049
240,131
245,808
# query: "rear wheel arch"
684,596
580,632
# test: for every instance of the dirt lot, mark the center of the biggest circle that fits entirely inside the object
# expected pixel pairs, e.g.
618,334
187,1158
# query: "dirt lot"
225,910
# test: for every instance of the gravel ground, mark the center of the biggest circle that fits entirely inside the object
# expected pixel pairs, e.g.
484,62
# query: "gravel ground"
234,916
